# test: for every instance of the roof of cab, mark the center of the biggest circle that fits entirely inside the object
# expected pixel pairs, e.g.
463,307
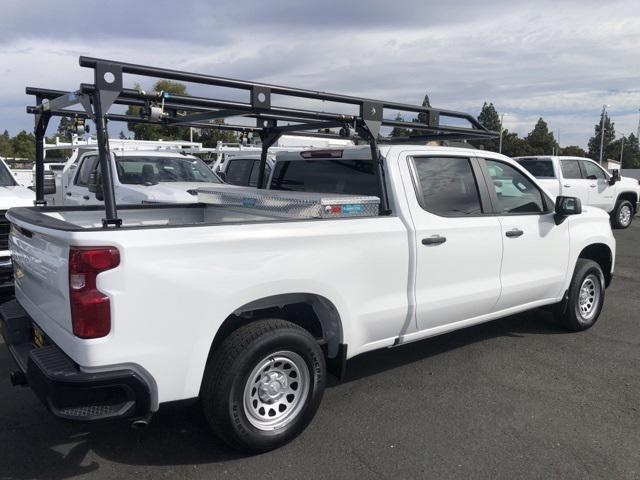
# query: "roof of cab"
363,152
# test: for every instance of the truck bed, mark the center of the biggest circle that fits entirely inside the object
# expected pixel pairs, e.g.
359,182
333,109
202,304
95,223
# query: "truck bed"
136,216
217,206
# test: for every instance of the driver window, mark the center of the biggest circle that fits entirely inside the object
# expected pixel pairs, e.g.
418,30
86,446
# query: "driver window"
592,171
515,193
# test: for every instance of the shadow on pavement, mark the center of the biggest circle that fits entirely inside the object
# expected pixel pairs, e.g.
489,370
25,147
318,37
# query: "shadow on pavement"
35,445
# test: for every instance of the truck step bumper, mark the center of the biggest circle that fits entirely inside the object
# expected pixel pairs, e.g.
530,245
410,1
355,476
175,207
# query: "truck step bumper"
58,382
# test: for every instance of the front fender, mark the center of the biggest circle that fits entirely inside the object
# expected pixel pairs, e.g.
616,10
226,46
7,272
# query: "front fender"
591,227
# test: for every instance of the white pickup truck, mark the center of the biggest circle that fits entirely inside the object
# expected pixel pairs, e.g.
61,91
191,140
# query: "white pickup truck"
140,176
12,194
248,306
592,184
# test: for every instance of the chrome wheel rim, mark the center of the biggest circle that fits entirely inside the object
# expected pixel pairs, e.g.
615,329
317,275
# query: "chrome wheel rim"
624,215
276,390
589,297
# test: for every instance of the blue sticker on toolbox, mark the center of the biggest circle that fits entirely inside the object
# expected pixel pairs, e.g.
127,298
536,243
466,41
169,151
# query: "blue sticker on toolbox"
248,202
350,209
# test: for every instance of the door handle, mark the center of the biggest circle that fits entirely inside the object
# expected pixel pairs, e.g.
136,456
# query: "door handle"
68,194
86,197
516,232
434,240
593,186
566,186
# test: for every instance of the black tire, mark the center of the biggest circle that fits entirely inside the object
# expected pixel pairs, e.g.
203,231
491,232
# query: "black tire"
622,215
573,314
227,380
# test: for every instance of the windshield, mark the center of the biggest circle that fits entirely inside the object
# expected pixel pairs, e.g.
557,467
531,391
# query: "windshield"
6,179
152,170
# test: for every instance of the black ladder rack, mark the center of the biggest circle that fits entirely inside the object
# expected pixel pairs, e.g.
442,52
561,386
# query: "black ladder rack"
271,121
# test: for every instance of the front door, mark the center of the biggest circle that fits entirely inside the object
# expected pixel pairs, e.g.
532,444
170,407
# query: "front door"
459,247
78,192
601,194
535,252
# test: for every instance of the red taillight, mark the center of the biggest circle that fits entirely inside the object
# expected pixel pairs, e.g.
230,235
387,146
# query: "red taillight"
90,309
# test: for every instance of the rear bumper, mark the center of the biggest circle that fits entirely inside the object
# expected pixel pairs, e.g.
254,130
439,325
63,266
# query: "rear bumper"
58,382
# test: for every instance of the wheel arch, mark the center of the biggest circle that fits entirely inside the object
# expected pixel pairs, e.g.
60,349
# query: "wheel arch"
631,197
602,255
315,313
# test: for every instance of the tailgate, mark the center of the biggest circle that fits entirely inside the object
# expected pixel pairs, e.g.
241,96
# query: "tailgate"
41,276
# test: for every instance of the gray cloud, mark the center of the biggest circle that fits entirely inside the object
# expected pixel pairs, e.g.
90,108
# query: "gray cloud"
559,60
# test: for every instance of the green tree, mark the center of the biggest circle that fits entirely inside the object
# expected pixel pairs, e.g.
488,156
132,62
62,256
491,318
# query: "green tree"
490,119
399,131
209,137
514,146
24,145
573,151
541,141
143,131
422,117
609,136
6,148
65,128
630,152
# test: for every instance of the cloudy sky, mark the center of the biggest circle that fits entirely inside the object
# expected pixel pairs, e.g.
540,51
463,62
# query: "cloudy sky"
561,60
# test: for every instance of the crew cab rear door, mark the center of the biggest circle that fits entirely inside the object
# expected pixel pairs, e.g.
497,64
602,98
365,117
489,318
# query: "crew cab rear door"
459,247
535,253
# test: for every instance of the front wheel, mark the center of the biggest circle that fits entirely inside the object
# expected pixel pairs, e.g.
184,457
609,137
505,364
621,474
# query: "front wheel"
262,387
586,297
622,215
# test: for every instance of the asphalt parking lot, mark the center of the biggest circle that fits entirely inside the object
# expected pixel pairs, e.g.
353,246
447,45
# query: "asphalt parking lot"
515,398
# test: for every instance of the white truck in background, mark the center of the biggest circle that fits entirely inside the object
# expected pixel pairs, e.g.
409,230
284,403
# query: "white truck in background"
12,194
585,179
144,172
247,305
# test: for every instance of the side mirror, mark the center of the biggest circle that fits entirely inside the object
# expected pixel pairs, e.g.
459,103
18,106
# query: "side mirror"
566,206
95,185
49,183
615,176
222,176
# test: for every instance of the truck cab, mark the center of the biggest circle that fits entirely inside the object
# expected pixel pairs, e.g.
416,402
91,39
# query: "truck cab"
592,184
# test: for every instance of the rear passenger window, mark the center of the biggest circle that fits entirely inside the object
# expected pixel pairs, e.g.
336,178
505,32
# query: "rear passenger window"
570,169
447,186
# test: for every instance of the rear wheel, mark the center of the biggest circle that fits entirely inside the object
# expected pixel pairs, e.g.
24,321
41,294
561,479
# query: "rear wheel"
622,215
586,297
262,387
